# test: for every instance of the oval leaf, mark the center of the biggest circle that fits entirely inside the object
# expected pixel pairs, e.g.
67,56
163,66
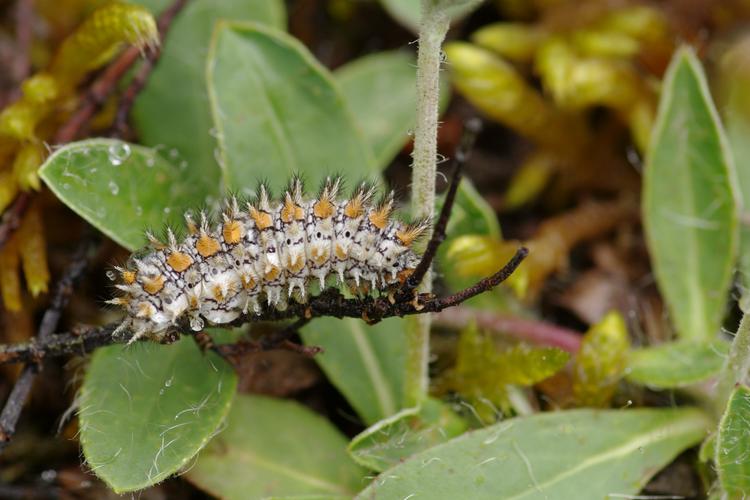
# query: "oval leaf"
732,446
276,448
278,112
689,209
146,410
173,110
365,362
676,364
120,188
606,452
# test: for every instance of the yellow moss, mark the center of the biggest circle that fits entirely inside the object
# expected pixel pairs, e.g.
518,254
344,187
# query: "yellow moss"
100,36
8,188
33,249
26,165
10,282
497,89
529,180
90,46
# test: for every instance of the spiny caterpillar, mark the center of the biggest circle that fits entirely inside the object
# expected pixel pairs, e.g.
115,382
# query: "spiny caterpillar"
267,252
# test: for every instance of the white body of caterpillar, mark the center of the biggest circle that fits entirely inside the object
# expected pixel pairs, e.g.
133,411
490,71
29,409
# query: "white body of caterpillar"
266,252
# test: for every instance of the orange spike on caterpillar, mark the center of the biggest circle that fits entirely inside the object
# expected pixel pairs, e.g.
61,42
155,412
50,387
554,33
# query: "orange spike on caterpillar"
266,253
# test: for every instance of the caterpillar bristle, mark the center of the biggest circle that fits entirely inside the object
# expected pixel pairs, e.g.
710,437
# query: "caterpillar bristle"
267,251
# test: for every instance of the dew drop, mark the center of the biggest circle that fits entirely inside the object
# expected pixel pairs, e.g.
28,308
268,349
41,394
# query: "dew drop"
113,188
196,323
183,165
138,210
66,186
93,170
168,382
111,275
161,391
118,153
173,153
167,210
150,162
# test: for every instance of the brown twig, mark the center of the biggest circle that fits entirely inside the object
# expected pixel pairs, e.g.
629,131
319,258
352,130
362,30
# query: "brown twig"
20,393
530,330
329,303
127,100
13,216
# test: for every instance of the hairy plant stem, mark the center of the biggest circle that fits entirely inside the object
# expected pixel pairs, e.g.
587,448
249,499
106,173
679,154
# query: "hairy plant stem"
434,26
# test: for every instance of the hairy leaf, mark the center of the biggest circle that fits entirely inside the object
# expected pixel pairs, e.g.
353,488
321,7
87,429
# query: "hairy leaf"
146,410
689,210
732,447
676,364
412,430
273,448
605,452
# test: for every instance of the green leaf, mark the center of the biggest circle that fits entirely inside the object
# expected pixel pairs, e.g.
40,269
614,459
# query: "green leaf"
689,208
412,430
732,446
382,94
600,362
676,364
146,410
278,112
276,448
120,188
604,452
366,363
408,12
173,110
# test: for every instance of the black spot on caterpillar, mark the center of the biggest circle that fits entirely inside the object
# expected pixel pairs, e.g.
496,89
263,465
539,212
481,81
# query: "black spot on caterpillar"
267,252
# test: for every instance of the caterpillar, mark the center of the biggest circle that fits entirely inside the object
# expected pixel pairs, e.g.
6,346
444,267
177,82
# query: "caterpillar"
265,253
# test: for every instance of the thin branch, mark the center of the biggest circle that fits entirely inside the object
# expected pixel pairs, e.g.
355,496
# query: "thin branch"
20,393
529,330
329,303
127,100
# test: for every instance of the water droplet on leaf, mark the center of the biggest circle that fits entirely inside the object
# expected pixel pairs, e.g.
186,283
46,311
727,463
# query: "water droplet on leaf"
118,153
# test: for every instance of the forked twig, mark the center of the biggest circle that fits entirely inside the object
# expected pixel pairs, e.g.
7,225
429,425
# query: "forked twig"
471,131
